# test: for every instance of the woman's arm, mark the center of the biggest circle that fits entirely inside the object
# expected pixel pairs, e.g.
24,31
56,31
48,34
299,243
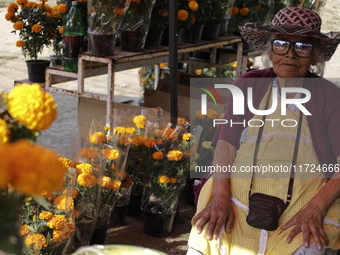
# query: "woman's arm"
309,221
218,214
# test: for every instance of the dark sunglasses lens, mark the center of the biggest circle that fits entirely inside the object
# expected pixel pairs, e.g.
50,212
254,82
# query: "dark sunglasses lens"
303,49
280,47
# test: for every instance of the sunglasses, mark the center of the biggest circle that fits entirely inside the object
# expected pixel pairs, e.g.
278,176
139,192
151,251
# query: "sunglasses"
281,47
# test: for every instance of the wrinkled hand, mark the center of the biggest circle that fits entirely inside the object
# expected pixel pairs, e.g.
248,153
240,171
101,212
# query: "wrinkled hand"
309,221
219,215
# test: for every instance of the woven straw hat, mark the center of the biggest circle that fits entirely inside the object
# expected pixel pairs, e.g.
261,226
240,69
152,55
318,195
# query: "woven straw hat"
292,21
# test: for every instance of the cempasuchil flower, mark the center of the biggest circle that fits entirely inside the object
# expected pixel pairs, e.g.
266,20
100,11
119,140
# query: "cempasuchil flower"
111,154
4,132
56,222
158,155
86,180
45,215
33,107
98,138
140,121
89,153
182,15
36,240
84,168
174,155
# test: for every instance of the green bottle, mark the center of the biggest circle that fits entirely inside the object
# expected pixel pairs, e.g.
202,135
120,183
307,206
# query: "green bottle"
73,38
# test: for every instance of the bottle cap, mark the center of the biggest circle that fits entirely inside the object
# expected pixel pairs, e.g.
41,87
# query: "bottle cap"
74,2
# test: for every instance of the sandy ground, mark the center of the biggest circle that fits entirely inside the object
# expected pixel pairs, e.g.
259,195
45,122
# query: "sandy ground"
60,136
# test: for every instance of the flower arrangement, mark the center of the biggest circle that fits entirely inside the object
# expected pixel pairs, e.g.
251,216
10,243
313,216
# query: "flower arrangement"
147,77
190,12
105,16
24,112
38,25
160,15
249,10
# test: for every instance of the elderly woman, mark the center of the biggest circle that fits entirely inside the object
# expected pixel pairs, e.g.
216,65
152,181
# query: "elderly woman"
284,212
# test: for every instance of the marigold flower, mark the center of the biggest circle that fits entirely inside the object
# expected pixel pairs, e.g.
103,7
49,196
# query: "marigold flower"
192,19
9,16
144,80
174,155
28,174
119,11
36,240
111,154
164,179
187,137
86,180
18,25
64,233
138,140
21,2
89,153
31,5
4,132
84,168
98,138
158,155
66,162
130,130
234,11
174,180
193,5
64,203
33,107
116,185
12,8
45,215
149,142
119,130
120,175
62,8
36,28
212,114
181,121
162,65
106,182
182,15
124,140
140,121
244,11
56,222
24,230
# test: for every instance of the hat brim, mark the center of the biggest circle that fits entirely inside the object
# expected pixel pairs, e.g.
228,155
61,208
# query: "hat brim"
258,36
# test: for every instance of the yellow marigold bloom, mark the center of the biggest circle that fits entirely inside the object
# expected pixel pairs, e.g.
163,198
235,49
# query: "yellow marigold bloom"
37,241
234,11
86,180
111,154
187,137
45,215
18,25
64,203
182,15
120,175
193,5
98,138
24,230
212,114
119,11
66,162
62,8
21,2
181,121
138,140
130,130
106,182
4,132
174,180
33,107
56,222
36,28
116,185
84,168
162,65
164,179
106,128
174,155
149,142
29,175
64,233
119,130
89,153
244,11
144,80
140,121
158,155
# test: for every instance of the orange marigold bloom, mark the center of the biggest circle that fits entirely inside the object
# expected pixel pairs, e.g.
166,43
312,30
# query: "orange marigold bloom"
86,180
182,15
174,180
149,142
120,174
45,215
62,8
193,5
234,11
124,140
116,185
18,25
244,11
36,240
164,179
158,155
138,140
174,155
89,153
98,138
84,168
24,230
192,19
106,182
9,16
66,162
64,203
111,154
13,7
56,222
36,28
21,2
119,11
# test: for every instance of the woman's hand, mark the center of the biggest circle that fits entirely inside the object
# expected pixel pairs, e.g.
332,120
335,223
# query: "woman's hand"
309,221
219,216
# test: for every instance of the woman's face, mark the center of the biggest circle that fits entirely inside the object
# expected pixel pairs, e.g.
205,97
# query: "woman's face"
290,65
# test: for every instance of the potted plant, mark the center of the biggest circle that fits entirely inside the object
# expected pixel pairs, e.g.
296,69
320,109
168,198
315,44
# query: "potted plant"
135,25
104,19
37,25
